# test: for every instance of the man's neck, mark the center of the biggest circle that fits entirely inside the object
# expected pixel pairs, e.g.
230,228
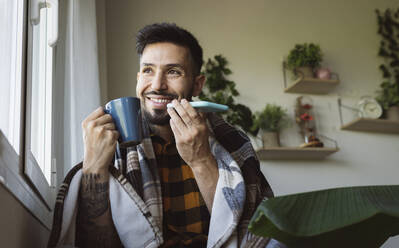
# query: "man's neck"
165,132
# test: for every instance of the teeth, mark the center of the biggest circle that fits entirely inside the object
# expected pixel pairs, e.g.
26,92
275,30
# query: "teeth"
160,100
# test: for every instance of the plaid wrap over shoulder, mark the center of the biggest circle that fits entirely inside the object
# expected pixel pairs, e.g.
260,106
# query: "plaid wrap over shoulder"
135,168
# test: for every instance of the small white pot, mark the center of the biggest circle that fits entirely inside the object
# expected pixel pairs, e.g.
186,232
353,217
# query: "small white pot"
270,139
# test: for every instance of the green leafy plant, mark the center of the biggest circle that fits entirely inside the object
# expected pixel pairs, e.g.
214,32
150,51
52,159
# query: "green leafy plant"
388,95
272,118
304,55
388,29
363,216
221,90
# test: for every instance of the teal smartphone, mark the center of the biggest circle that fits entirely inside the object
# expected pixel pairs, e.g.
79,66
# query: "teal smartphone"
204,106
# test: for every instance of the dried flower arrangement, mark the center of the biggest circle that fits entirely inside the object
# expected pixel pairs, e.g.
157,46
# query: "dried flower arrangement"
304,117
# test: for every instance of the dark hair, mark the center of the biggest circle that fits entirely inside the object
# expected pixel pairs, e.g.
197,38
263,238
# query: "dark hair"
170,32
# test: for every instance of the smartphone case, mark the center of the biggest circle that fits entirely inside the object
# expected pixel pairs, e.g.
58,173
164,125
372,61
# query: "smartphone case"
204,106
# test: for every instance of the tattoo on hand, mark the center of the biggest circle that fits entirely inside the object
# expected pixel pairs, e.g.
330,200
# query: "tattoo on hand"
94,195
95,227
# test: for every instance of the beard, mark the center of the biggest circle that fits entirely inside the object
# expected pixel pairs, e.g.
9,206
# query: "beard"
161,117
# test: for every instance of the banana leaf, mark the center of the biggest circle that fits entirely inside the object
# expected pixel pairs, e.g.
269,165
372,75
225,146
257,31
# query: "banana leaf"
364,216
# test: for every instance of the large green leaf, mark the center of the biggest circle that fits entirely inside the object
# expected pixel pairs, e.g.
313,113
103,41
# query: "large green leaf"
343,217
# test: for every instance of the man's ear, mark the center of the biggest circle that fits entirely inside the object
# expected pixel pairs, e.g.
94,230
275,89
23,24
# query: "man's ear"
199,83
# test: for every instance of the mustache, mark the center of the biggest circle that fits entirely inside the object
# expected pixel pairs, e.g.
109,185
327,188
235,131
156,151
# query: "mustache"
160,93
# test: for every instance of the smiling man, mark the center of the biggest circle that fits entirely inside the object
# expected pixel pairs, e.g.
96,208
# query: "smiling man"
194,181
170,74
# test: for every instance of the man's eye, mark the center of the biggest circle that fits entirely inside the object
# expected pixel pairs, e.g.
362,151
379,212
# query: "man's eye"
147,70
174,72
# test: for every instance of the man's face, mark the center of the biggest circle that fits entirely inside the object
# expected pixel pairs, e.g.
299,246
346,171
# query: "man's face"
166,73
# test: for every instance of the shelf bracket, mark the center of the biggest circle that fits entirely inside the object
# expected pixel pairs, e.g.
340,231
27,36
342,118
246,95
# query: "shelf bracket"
330,139
284,75
340,106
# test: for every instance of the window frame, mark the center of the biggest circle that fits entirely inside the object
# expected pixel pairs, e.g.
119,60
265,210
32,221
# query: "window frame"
17,168
10,177
32,168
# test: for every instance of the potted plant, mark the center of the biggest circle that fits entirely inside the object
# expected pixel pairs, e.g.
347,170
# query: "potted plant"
304,58
388,95
220,89
270,120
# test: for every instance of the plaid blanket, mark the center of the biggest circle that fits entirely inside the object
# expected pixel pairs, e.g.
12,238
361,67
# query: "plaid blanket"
136,198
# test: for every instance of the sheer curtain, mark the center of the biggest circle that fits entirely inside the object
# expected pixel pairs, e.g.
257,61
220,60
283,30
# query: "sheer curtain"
11,15
77,73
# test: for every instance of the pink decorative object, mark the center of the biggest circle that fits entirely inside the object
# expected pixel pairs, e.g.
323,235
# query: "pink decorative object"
323,73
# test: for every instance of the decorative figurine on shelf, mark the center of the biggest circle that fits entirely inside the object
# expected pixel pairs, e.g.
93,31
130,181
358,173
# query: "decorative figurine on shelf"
323,73
304,117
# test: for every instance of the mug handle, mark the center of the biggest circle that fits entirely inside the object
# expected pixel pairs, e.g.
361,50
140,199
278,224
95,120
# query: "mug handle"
108,112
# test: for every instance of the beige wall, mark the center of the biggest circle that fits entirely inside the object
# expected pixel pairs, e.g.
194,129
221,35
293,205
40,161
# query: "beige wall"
18,228
255,36
102,49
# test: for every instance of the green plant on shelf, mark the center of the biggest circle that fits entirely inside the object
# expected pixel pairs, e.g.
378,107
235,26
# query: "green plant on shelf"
388,95
304,55
271,119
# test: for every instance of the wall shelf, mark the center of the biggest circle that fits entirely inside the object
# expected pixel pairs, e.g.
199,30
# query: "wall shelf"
295,153
308,85
372,125
312,86
367,124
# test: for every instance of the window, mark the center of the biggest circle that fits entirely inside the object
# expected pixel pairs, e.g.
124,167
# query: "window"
38,151
29,33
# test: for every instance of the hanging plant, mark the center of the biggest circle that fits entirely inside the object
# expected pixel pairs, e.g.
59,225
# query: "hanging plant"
388,29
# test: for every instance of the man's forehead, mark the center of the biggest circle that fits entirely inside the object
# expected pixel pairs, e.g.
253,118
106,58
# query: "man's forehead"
164,53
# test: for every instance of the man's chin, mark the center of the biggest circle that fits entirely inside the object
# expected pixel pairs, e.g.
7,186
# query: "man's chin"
159,117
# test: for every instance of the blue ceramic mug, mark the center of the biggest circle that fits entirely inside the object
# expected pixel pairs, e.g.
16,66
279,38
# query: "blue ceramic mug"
127,118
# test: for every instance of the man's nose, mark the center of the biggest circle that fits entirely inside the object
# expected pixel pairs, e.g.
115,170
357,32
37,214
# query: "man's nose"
159,82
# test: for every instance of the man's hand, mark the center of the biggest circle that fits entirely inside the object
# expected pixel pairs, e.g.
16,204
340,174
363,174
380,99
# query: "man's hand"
95,227
191,133
100,138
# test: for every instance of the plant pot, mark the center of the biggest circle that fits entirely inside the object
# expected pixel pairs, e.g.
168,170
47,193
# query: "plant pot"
393,113
304,71
270,139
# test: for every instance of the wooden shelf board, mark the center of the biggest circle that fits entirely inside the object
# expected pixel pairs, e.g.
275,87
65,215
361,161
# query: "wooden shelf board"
372,125
312,86
294,153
